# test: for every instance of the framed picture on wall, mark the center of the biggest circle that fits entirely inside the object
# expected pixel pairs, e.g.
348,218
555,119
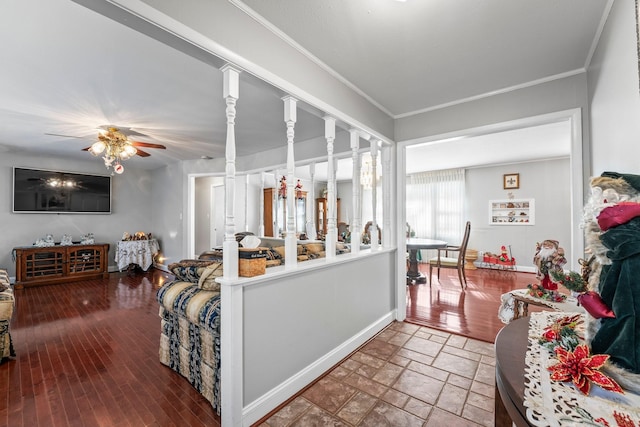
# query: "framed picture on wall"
511,181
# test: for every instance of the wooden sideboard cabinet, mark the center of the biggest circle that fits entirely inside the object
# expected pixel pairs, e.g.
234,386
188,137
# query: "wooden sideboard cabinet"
59,264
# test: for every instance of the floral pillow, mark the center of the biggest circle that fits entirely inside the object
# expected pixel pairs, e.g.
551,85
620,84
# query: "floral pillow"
208,276
189,270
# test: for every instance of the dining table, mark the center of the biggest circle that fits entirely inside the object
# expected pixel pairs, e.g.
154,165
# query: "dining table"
413,246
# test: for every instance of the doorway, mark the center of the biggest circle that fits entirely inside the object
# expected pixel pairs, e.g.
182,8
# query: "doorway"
575,186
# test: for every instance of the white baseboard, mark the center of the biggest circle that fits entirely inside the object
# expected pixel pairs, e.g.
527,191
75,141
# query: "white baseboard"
521,268
270,400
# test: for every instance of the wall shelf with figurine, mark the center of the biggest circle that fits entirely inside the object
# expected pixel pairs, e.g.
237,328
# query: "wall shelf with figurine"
512,212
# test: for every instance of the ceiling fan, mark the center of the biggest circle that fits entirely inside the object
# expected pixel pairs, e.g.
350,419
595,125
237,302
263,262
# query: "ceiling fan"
116,146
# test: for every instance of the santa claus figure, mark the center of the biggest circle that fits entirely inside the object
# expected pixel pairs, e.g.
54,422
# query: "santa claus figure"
612,235
549,257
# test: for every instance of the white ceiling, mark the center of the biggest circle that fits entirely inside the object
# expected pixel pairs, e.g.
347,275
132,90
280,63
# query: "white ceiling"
67,70
519,145
417,54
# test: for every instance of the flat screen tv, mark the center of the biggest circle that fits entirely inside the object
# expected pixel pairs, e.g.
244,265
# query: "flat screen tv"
46,191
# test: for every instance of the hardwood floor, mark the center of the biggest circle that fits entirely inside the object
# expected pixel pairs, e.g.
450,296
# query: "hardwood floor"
472,313
87,355
87,352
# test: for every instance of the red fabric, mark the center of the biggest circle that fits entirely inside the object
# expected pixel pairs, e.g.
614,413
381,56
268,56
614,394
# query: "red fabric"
593,304
621,213
548,284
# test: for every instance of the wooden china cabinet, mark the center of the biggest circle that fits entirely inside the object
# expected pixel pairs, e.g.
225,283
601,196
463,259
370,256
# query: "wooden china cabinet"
59,264
322,212
275,213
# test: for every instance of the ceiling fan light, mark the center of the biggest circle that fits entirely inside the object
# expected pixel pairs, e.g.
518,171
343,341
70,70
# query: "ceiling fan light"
97,148
130,150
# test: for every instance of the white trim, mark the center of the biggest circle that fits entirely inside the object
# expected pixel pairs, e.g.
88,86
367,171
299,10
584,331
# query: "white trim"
596,38
401,221
265,403
493,93
231,351
191,216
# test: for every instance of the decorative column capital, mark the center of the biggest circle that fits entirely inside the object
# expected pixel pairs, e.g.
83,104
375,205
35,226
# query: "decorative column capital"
290,108
329,127
231,81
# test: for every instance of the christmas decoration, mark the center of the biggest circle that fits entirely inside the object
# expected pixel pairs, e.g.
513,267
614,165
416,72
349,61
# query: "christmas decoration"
582,369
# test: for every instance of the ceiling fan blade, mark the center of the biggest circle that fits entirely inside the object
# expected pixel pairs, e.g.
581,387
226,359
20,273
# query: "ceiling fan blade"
147,145
64,136
142,153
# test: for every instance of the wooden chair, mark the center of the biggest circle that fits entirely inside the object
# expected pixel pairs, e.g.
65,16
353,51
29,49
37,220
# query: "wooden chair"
456,262
371,234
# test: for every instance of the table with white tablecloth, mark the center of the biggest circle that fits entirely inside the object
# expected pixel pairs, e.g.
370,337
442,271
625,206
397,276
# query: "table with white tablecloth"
138,252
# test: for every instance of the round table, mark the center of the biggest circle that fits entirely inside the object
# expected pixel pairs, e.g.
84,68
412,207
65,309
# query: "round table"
413,246
511,348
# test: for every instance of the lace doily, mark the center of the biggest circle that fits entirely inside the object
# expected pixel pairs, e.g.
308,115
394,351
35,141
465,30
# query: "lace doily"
552,403
507,308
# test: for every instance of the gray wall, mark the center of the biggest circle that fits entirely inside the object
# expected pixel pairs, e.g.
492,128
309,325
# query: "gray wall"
131,208
542,181
613,92
557,95
168,201
292,322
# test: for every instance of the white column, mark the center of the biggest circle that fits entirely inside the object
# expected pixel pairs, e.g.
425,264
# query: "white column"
386,196
290,244
311,216
356,223
332,230
373,230
230,246
261,225
246,202
231,316
274,202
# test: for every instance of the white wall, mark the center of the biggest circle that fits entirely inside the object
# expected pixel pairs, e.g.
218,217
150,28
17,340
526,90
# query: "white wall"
546,182
614,94
131,207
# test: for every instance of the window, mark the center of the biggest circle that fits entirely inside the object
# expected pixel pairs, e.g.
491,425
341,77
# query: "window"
435,204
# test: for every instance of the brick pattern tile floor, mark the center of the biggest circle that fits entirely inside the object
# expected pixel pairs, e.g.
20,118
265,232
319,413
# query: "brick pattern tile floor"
408,375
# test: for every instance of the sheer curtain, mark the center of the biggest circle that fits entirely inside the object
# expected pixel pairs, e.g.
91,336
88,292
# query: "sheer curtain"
435,206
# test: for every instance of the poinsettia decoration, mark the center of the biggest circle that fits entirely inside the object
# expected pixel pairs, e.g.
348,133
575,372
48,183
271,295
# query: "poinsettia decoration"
582,369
